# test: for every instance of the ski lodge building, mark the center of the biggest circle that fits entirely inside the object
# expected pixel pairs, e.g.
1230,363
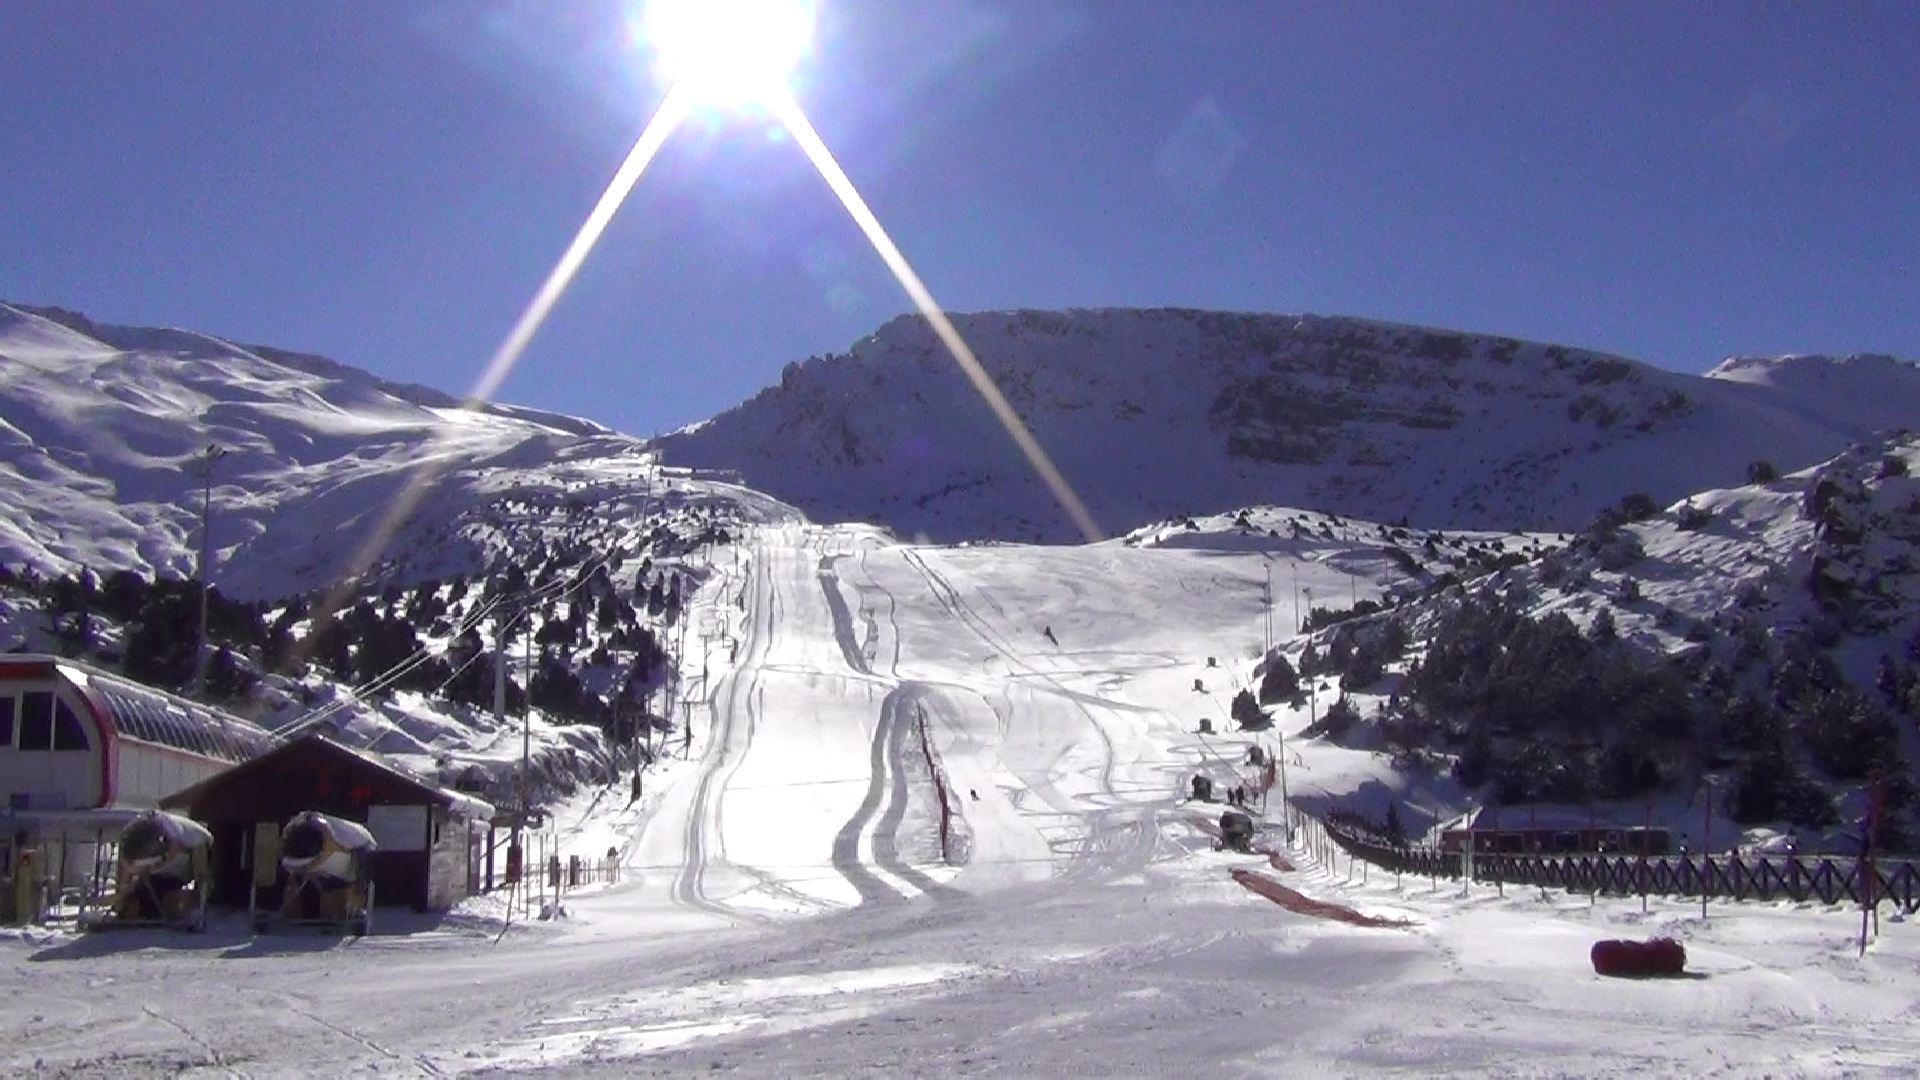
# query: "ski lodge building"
82,751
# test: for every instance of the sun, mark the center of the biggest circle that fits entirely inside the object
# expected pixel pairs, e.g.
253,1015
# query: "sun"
729,52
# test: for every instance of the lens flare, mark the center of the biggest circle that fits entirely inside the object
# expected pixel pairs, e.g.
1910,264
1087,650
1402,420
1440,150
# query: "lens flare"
668,117
727,51
788,110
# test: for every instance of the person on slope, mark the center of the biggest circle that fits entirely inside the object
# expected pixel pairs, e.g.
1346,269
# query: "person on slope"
1047,632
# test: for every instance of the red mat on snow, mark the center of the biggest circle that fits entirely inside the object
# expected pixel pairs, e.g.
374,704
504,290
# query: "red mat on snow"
1305,905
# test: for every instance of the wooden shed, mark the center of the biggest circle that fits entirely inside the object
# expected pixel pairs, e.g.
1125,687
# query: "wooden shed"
430,838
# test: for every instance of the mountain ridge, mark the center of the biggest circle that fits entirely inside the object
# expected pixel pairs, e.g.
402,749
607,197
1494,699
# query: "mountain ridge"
1156,412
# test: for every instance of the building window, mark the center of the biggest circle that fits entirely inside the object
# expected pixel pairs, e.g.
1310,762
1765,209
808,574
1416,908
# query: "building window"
36,720
6,721
67,732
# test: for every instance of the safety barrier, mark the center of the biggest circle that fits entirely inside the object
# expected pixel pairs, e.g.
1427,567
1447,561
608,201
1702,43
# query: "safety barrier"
1826,879
939,788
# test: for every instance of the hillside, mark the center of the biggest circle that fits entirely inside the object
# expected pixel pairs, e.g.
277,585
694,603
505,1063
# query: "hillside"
101,430
596,550
1762,639
1156,413
573,535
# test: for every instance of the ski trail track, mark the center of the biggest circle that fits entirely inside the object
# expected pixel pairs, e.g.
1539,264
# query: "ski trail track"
1117,835
886,781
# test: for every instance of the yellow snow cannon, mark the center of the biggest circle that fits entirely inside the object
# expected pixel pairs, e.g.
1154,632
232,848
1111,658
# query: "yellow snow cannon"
328,880
161,874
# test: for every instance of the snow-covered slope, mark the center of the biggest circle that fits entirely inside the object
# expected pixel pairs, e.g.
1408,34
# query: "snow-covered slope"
101,433
101,429
1154,413
785,906
1766,636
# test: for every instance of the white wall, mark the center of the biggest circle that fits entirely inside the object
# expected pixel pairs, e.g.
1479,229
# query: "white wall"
149,773
71,779
49,779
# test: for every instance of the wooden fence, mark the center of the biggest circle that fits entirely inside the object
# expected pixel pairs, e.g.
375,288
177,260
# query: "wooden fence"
1827,879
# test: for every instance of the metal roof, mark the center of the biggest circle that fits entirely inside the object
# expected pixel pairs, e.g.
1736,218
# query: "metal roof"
150,715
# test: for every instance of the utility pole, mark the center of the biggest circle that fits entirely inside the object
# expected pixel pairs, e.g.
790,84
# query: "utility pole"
526,720
1296,597
516,863
1269,606
205,468
1282,736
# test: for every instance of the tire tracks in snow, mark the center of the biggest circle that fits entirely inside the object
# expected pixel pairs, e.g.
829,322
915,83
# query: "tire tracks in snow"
950,599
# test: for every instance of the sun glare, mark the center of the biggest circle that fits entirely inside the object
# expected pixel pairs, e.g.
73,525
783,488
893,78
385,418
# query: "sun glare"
729,52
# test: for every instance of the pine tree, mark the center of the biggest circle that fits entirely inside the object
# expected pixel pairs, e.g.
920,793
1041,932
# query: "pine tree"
1280,683
1246,711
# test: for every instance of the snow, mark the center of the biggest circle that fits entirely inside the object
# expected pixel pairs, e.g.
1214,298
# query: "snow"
785,903
1157,413
103,428
782,911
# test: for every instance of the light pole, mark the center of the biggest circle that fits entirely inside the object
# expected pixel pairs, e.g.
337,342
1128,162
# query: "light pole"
204,467
1269,604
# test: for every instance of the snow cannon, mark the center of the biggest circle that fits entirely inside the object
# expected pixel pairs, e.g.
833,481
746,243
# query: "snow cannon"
1236,832
1658,958
328,884
160,873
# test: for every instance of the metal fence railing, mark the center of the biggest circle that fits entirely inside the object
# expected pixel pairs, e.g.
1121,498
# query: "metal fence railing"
1826,879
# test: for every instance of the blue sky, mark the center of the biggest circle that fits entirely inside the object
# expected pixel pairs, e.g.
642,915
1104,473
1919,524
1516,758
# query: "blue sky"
387,183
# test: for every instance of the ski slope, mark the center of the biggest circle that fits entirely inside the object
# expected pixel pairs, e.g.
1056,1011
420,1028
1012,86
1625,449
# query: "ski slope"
785,907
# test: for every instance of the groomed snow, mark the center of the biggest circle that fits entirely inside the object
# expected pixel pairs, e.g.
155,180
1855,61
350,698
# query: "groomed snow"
785,909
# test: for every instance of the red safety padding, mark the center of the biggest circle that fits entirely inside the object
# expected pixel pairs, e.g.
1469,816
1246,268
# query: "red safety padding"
1639,959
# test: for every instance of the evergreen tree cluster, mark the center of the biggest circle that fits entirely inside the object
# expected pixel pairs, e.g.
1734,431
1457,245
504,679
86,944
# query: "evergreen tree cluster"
162,625
1541,711
1533,706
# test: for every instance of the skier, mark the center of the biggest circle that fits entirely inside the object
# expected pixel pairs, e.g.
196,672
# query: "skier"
974,795
1047,632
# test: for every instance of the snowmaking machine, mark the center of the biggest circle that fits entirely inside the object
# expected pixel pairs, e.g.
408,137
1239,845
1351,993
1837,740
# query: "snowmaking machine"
327,883
161,874
1236,832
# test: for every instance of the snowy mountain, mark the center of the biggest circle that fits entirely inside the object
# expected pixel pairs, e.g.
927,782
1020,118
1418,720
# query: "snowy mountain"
932,803
1157,413
568,531
102,428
